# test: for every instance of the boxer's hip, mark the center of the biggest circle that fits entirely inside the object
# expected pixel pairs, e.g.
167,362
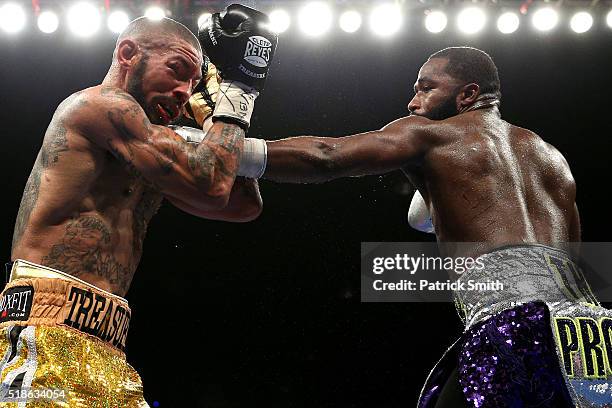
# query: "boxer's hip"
62,343
525,273
542,340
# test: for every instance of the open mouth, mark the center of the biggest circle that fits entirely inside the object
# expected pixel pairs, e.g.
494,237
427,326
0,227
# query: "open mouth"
166,113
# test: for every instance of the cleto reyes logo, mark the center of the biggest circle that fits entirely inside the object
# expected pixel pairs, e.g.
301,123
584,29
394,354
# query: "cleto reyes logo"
257,51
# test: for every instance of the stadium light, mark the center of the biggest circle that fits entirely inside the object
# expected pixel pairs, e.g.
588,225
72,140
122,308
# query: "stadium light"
436,21
315,19
545,19
279,21
83,19
350,21
155,13
508,22
386,20
581,22
471,20
117,21
47,22
12,18
609,19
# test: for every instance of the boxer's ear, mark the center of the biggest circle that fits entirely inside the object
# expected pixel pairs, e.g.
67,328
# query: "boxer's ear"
468,95
126,53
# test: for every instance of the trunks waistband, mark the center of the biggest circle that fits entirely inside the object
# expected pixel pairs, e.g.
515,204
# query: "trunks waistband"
521,273
40,296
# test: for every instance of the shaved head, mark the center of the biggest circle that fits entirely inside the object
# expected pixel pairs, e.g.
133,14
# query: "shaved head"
151,34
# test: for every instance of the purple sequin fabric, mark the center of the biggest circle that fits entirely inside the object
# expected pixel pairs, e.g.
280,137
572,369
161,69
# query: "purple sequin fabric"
509,360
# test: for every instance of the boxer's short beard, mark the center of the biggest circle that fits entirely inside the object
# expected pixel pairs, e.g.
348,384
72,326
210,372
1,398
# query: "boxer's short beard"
445,109
135,83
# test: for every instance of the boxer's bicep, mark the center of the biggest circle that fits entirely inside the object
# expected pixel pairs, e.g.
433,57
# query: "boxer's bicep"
316,159
194,174
377,152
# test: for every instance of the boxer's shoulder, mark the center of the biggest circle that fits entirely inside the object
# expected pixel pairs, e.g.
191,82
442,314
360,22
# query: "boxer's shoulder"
433,131
88,112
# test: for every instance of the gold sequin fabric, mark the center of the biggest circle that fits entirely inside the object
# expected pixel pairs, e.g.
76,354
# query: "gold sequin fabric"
61,343
64,363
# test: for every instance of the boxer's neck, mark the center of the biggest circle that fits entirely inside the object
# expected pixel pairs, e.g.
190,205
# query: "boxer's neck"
481,104
115,78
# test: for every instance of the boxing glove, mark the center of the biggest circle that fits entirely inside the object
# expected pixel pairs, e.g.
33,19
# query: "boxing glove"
202,102
241,46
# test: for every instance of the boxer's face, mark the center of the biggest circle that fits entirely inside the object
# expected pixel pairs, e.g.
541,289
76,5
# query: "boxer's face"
163,80
435,92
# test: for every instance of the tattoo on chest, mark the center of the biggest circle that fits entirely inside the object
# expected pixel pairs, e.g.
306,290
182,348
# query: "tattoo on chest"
86,248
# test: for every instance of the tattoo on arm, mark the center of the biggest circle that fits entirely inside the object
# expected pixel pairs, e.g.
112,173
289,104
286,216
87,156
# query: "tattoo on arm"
207,162
227,138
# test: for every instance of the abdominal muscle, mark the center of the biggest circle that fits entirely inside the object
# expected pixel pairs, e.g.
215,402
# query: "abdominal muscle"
86,247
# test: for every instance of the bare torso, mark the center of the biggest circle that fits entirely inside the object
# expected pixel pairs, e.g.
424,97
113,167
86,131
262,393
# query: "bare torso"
82,212
491,182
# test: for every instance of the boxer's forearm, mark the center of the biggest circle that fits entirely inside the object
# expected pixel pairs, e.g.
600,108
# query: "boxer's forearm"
304,159
244,204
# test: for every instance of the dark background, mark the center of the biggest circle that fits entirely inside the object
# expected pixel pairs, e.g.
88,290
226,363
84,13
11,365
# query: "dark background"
268,313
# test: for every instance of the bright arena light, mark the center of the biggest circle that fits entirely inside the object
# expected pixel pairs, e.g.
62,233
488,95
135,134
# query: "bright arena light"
155,13
545,19
435,22
609,19
508,23
581,22
350,21
48,22
83,19
386,19
279,21
12,18
315,19
471,20
117,21
203,17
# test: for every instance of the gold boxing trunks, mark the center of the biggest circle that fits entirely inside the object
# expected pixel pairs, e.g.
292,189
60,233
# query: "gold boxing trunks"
62,343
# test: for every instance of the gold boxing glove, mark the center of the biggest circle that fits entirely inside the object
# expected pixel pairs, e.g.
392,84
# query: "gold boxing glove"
202,103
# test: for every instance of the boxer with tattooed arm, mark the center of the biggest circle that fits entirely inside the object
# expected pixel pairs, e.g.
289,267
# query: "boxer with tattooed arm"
107,160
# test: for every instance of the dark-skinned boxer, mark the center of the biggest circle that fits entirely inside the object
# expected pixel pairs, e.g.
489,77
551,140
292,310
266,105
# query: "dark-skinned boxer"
543,341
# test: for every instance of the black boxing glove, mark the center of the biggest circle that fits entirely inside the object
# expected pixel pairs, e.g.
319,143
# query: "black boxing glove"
241,46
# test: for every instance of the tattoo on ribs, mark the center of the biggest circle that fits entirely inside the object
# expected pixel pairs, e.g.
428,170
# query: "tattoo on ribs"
145,210
28,201
83,249
55,143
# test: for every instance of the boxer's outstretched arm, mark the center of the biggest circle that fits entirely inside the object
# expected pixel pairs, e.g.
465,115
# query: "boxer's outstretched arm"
200,175
245,203
309,159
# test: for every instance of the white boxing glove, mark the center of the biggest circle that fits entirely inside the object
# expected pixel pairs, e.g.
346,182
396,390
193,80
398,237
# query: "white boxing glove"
419,217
